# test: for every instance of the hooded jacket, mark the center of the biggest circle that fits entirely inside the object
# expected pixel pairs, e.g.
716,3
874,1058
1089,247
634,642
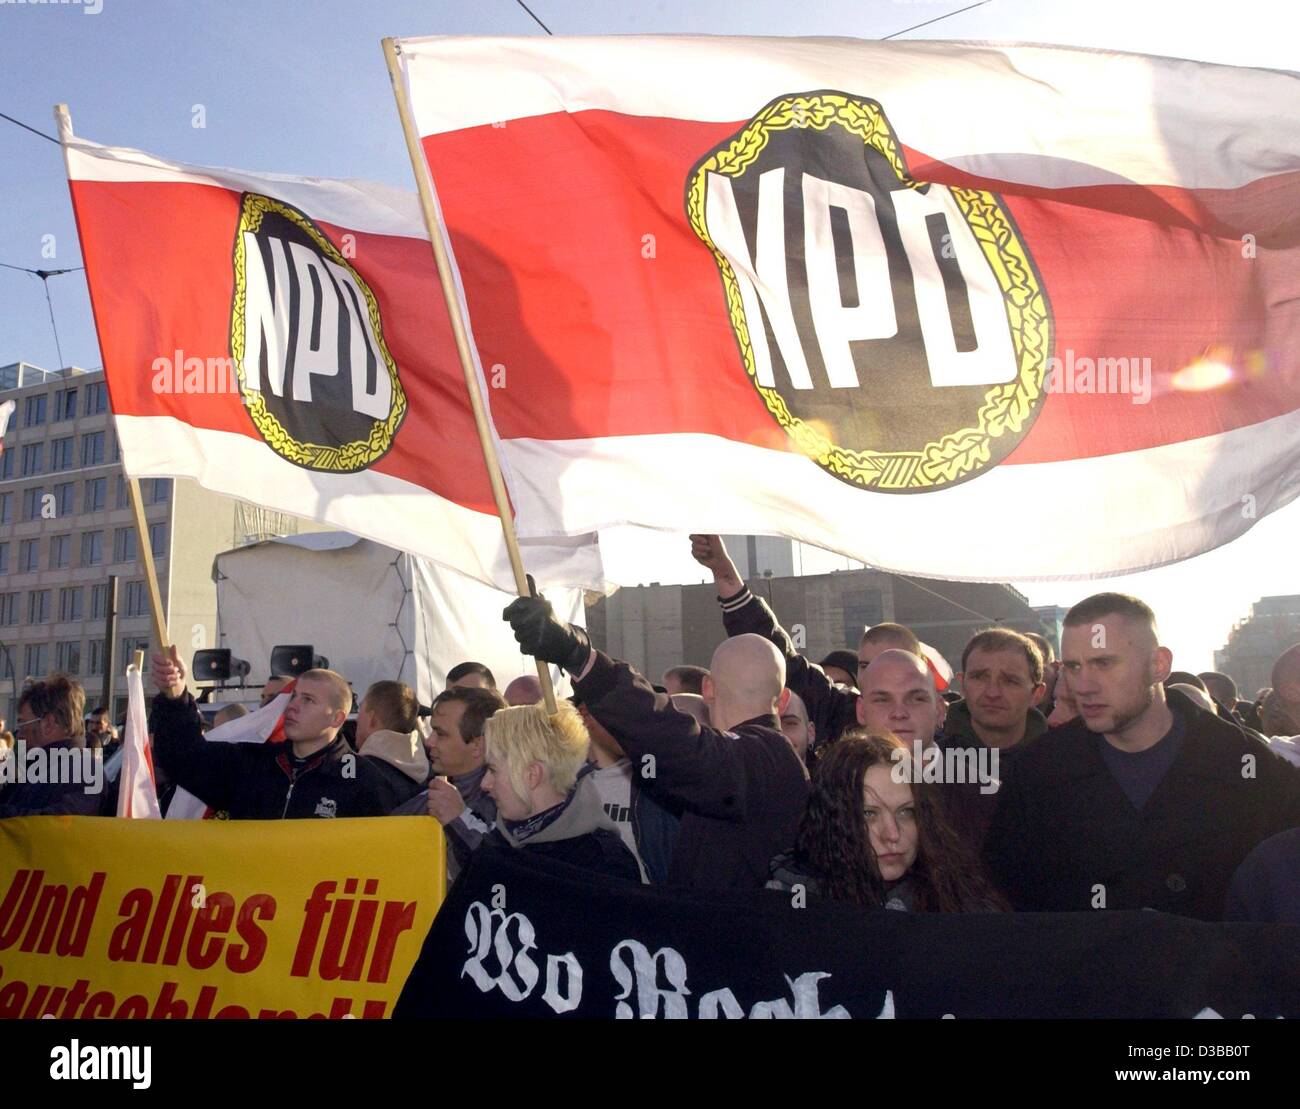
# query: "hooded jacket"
402,765
582,835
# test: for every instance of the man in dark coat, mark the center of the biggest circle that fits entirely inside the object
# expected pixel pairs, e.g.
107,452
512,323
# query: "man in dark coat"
739,784
1146,800
312,774
51,732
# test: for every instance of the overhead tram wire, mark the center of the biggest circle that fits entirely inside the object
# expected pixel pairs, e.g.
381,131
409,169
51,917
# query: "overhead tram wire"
33,130
936,19
45,276
535,19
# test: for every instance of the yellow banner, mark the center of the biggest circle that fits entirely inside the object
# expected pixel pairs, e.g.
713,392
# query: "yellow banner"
212,918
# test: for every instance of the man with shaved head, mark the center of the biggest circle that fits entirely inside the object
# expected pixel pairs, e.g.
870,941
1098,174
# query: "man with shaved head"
832,707
1146,800
314,773
899,697
524,690
739,786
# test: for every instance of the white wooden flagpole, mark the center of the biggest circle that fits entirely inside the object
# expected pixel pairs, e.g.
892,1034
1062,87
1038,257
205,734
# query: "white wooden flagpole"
429,208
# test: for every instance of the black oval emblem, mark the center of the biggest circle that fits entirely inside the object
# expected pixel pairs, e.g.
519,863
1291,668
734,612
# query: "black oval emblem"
897,331
315,373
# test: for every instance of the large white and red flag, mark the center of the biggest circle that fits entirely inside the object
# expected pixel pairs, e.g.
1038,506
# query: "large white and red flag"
285,340
959,310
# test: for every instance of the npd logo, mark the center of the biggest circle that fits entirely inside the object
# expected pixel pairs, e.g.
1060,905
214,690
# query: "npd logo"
897,331
314,371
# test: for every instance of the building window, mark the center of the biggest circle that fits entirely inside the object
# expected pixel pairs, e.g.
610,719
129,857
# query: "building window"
92,449
65,405
160,490
33,459
98,602
67,656
38,606
32,502
61,454
4,558
6,465
35,656
134,643
123,501
35,412
70,603
96,398
6,507
29,556
158,538
124,545
60,552
92,548
8,609
96,657
115,448
63,499
135,602
96,494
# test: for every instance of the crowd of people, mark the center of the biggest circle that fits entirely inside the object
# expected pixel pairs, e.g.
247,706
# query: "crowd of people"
1094,777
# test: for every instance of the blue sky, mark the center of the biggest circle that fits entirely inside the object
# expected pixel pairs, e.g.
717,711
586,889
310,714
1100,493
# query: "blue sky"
301,88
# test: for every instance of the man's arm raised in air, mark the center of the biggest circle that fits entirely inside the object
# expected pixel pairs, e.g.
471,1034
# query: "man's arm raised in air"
832,708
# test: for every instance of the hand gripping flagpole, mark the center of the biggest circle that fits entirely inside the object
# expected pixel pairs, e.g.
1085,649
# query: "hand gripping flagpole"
430,209
144,547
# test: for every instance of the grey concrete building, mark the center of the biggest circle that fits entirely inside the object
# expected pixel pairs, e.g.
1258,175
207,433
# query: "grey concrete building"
658,626
66,526
1255,643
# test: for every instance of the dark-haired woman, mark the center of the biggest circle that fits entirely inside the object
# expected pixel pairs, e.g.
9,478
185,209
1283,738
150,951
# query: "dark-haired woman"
873,837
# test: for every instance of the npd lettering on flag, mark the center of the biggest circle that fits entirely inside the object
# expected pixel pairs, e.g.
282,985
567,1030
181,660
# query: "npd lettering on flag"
899,300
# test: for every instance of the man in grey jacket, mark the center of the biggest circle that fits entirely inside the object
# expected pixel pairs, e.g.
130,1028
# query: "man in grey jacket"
456,748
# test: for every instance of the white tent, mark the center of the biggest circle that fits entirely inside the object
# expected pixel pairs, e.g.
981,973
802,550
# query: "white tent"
374,612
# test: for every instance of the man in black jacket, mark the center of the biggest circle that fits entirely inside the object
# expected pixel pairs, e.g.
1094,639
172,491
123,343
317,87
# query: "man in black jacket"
312,774
1146,800
739,784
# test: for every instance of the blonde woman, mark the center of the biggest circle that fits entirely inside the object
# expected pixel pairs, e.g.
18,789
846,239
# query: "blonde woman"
547,803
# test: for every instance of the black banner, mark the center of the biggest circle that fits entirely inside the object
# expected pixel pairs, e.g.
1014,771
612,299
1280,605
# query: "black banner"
519,937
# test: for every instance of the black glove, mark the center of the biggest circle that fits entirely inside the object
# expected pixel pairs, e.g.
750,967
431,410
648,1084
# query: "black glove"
545,636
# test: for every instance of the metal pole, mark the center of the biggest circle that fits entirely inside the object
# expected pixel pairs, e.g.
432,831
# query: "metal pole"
110,647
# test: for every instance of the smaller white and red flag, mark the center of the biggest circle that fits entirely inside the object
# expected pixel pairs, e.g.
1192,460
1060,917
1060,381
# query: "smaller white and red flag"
938,665
137,792
264,725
